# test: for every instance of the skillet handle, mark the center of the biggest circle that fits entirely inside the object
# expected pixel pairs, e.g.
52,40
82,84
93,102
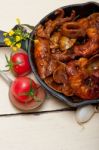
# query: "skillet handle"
2,44
29,29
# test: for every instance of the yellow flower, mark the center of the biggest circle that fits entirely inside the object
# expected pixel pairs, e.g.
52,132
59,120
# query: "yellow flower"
14,48
5,34
18,38
18,45
7,41
11,33
18,21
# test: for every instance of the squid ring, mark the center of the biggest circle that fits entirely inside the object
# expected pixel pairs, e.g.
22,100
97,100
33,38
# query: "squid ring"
72,30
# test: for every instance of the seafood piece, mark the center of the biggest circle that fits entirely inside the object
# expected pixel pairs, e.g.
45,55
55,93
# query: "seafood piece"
94,20
72,30
59,81
52,84
84,23
63,56
95,76
78,28
40,32
42,55
59,13
91,46
93,67
60,76
51,25
75,66
52,65
84,85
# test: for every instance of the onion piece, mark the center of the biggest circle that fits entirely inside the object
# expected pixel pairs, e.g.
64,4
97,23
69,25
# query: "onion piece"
66,43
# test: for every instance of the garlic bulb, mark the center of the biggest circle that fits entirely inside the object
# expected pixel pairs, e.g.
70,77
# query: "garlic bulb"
83,114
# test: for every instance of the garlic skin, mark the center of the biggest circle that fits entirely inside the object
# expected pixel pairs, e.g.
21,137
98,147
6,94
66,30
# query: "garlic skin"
84,114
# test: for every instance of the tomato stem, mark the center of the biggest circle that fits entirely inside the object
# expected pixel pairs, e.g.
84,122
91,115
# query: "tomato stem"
9,63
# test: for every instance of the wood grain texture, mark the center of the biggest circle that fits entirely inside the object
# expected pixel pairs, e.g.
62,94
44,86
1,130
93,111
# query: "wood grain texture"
58,131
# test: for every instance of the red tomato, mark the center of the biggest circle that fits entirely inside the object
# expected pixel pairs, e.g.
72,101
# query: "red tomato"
24,89
19,64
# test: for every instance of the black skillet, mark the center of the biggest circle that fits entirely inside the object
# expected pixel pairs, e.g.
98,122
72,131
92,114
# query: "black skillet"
83,10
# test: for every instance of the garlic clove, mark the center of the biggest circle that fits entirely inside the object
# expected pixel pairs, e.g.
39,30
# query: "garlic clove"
84,114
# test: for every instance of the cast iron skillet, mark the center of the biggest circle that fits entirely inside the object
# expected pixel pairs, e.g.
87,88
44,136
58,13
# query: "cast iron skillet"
83,10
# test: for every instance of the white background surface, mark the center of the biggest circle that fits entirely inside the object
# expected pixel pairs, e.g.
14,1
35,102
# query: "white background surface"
53,131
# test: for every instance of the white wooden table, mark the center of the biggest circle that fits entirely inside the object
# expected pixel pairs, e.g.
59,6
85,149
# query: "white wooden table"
49,131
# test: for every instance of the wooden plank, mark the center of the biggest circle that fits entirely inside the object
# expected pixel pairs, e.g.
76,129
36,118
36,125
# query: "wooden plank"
58,131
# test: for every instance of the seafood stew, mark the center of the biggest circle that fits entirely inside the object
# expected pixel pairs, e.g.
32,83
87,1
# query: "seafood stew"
63,48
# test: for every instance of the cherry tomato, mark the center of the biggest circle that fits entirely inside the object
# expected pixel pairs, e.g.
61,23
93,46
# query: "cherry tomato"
19,63
24,89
